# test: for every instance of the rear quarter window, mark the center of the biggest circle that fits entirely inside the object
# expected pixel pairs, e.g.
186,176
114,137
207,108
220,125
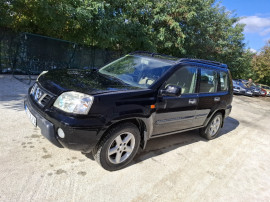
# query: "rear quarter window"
224,81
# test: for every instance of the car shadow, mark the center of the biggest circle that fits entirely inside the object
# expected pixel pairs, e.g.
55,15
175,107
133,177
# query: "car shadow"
162,145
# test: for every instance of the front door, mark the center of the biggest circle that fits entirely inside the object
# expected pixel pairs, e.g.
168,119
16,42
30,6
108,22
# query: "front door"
177,113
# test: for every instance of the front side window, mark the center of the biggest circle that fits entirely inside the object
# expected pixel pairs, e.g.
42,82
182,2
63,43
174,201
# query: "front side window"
186,78
223,78
208,83
136,70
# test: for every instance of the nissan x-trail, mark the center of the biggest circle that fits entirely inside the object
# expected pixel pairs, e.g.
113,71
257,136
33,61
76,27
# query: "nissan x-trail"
115,110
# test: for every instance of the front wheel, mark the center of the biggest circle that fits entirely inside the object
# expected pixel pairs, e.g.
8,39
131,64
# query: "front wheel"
211,130
118,147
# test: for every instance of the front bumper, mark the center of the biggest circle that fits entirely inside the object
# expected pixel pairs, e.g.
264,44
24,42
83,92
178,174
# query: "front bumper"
46,127
76,137
249,93
256,93
238,91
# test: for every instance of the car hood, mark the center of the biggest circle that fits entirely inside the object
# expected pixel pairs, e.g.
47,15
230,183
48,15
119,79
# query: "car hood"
85,81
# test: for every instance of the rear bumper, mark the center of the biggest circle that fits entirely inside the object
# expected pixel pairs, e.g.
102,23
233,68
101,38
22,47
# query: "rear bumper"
228,111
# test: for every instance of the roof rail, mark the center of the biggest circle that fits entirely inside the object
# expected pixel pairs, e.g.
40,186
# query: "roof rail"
209,62
153,54
203,62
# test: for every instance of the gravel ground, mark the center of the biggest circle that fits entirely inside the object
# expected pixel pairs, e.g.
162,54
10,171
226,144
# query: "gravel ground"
181,167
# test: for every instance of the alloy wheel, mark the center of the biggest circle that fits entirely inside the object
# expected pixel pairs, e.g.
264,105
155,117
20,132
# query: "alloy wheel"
121,148
214,126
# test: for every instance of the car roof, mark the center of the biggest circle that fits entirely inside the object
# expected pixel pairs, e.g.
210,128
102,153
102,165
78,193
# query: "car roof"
164,58
175,60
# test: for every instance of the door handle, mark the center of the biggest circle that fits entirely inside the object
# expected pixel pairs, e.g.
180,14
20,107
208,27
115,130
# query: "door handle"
217,99
192,101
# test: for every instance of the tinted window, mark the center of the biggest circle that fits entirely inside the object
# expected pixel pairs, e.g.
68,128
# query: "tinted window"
185,77
208,83
223,79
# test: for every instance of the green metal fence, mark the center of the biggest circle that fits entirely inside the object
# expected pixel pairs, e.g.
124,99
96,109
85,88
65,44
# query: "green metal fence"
25,53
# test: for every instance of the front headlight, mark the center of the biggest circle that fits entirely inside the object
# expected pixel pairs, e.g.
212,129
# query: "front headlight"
74,102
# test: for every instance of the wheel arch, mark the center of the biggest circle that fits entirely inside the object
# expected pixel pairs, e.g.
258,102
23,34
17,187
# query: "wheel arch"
222,111
137,122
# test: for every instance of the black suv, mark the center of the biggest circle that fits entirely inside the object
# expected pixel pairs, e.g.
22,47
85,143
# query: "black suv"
113,111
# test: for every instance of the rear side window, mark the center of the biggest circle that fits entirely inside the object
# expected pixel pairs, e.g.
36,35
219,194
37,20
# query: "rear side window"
223,79
208,83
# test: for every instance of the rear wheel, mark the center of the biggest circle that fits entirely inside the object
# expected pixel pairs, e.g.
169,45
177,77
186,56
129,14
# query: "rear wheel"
211,130
118,147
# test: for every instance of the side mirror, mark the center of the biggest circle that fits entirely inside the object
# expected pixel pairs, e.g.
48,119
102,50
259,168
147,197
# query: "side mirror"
171,90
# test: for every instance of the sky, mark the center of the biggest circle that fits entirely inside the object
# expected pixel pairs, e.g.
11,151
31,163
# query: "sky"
256,15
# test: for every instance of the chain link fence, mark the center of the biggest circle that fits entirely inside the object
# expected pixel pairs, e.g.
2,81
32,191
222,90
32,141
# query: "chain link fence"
30,54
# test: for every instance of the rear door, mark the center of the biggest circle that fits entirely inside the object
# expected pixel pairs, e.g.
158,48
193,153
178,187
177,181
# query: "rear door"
213,93
178,113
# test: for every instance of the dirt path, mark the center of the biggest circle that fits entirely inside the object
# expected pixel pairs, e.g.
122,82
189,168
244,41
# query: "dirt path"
181,167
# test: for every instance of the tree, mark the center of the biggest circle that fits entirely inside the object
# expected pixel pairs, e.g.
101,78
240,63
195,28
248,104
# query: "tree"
242,68
261,64
182,28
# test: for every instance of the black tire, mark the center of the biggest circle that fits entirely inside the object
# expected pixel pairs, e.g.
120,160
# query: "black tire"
206,131
101,151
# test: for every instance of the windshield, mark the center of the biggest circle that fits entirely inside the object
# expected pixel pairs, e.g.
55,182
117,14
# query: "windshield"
136,70
242,84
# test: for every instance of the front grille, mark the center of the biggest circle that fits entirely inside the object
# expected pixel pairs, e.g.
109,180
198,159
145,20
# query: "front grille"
46,100
40,96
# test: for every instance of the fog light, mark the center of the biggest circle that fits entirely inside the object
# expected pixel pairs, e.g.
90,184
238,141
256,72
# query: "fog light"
61,133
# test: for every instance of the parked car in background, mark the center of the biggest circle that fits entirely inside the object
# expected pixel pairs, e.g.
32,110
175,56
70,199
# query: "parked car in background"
266,89
239,88
263,92
256,90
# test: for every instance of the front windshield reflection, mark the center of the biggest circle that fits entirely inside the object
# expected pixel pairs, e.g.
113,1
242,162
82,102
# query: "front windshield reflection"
136,70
